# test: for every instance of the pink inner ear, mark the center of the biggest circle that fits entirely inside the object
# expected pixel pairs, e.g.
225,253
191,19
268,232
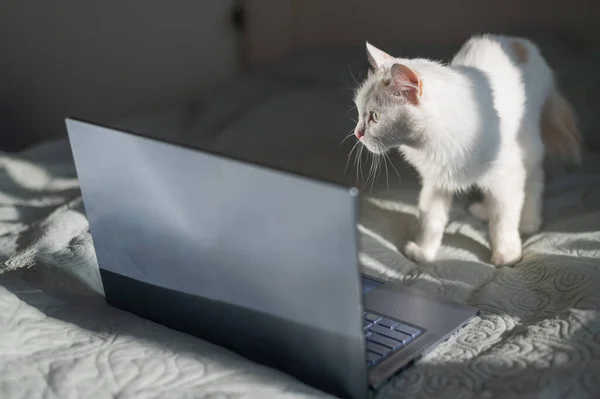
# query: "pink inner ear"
407,82
405,76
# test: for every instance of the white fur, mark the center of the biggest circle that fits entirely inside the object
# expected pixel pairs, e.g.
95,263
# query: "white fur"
479,118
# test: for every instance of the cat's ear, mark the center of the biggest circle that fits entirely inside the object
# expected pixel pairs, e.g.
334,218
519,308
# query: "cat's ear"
377,57
406,83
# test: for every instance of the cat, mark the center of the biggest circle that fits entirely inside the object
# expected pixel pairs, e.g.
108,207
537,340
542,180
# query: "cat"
485,120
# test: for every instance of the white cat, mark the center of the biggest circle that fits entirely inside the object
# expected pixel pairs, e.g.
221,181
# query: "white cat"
485,120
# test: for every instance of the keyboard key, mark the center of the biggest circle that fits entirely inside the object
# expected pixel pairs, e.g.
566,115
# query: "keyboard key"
372,358
385,341
407,329
388,332
366,324
372,317
376,348
387,322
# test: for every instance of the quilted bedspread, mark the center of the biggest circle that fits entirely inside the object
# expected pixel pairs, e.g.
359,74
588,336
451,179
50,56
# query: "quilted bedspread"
537,336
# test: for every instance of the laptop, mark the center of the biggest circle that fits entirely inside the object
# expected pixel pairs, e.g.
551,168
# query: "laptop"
259,260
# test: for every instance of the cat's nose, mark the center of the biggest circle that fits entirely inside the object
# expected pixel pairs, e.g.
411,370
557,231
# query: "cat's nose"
359,133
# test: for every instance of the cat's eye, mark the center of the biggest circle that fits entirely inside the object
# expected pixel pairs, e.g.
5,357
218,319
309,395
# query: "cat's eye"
373,116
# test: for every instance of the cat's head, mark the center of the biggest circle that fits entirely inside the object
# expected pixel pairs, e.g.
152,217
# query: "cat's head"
388,104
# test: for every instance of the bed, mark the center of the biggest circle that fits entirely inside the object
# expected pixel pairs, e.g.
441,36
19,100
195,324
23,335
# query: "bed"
538,334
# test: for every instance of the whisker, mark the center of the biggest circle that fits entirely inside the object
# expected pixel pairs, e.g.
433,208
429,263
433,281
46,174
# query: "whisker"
365,181
350,155
351,74
380,159
352,119
377,169
369,160
360,163
373,170
392,165
350,134
357,161
387,182
356,157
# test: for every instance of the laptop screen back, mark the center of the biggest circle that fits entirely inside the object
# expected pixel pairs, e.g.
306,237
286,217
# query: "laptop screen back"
234,234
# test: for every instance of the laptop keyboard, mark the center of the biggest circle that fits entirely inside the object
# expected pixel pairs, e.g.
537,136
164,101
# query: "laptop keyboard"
385,336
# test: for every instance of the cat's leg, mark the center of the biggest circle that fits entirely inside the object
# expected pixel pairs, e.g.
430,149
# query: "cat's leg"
434,207
531,215
505,202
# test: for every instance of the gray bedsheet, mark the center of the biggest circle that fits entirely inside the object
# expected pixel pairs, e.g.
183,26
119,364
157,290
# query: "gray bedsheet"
538,334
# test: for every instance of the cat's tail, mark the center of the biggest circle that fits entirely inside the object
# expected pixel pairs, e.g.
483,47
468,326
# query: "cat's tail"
560,134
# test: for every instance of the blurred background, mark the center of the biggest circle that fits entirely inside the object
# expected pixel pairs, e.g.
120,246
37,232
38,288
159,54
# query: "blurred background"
103,59
256,66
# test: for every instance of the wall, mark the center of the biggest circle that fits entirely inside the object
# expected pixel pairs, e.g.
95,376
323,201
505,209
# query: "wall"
436,21
103,59
278,27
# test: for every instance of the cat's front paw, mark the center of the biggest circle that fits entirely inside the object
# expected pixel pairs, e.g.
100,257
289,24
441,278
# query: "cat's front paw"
507,256
417,254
